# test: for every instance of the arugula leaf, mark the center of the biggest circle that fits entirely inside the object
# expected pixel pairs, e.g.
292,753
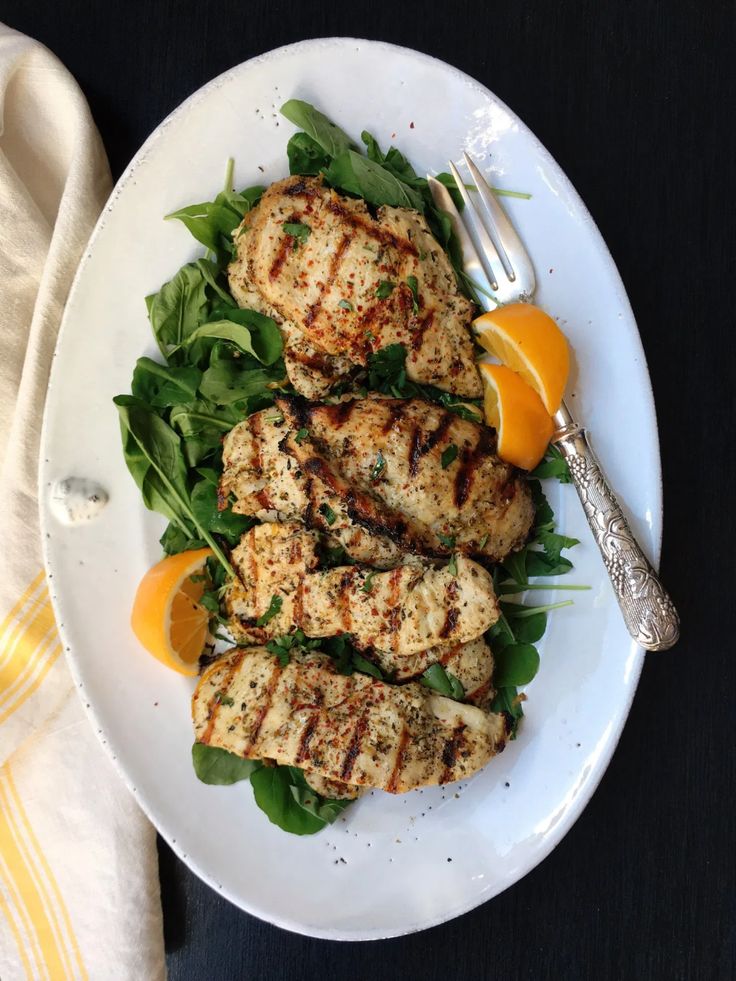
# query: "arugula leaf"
351,172
179,307
442,681
385,289
515,664
283,794
217,766
305,155
326,511
162,386
155,460
317,126
274,608
298,231
361,663
174,540
449,456
206,511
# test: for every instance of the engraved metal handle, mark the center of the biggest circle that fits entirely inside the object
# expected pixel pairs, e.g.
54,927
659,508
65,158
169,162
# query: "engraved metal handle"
648,611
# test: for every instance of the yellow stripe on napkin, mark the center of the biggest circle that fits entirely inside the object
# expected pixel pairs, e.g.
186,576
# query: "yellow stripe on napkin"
32,888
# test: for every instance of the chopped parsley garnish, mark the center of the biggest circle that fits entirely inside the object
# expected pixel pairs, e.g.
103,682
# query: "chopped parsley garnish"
448,456
447,540
452,565
378,466
222,699
298,231
301,436
368,584
274,608
287,644
385,289
329,515
345,305
482,543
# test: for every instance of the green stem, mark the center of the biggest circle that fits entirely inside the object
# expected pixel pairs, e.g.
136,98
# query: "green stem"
505,589
511,194
529,611
229,167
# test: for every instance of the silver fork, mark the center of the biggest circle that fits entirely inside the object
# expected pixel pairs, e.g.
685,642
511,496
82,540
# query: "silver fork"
501,262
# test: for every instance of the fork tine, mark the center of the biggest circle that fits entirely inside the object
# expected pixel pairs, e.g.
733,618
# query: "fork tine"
488,253
517,263
471,260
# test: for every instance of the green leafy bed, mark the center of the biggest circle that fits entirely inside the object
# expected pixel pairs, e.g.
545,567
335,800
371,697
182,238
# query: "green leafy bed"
220,363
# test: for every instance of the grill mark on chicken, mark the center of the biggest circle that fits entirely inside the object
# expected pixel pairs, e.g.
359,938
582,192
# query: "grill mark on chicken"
334,268
300,188
303,753
393,780
265,705
471,459
287,243
394,414
360,730
345,583
448,627
342,413
420,447
422,327
369,228
216,703
415,451
394,607
450,753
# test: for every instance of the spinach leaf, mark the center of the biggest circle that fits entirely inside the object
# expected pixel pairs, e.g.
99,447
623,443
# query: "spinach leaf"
361,663
527,630
179,307
507,700
230,380
326,511
371,181
273,789
241,336
154,457
541,564
265,336
162,386
305,155
325,808
217,766
174,540
213,222
515,664
317,126
442,681
204,505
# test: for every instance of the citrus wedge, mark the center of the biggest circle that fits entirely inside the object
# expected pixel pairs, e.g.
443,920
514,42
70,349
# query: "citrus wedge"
517,414
528,341
167,618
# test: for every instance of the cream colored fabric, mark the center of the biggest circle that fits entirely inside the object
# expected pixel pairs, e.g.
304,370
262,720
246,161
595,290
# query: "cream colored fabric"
79,895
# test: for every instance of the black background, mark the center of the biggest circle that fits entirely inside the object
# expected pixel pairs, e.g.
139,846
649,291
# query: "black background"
637,103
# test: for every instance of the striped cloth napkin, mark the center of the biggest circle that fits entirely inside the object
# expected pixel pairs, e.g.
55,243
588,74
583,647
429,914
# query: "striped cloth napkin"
79,893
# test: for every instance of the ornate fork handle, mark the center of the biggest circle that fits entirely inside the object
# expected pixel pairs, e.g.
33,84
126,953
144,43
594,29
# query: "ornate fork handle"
648,611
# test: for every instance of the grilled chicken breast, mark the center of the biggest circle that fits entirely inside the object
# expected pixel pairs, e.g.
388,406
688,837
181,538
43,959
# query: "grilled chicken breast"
471,663
409,609
353,283
354,730
370,473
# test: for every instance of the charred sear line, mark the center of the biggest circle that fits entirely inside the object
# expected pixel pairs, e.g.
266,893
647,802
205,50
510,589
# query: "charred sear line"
420,445
415,450
354,748
334,268
297,410
368,227
393,780
265,705
450,624
421,329
470,461
303,753
450,752
286,245
216,703
395,412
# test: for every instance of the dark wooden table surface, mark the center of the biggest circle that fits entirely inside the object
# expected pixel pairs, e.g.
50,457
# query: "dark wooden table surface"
637,102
